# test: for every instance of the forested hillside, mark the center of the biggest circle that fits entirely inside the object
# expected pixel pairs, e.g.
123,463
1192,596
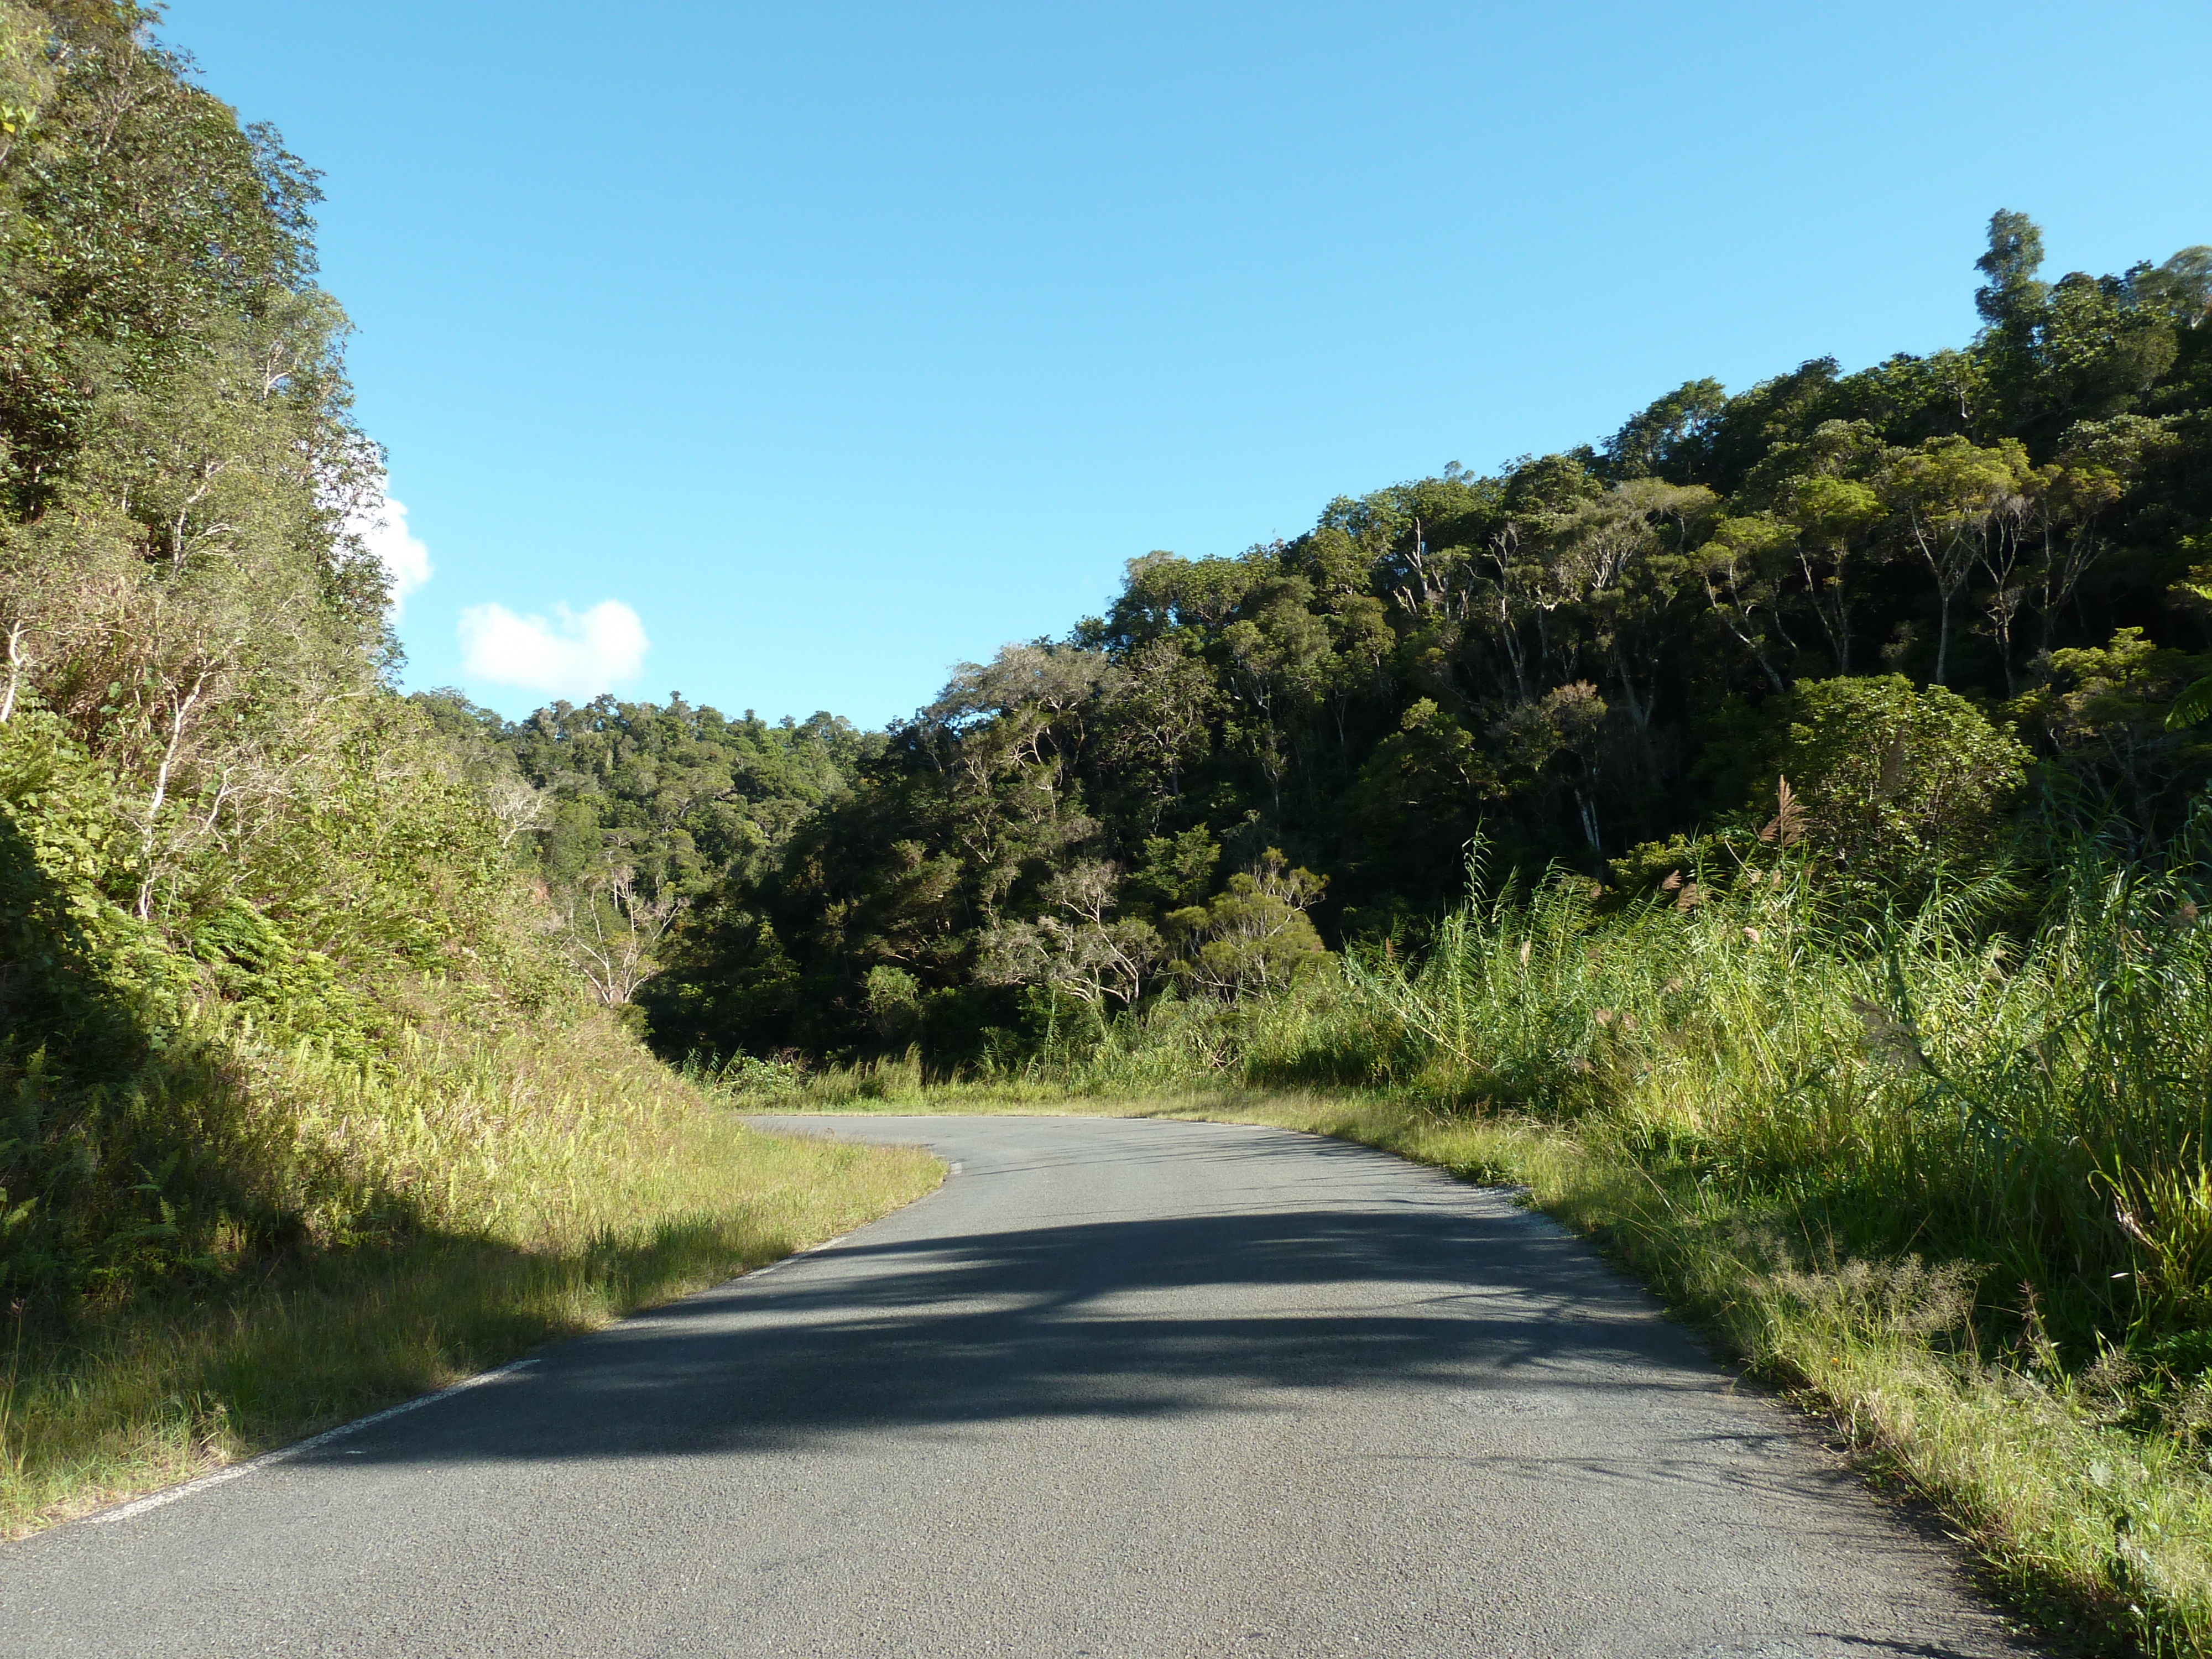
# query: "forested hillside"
1849,734
241,878
631,813
208,799
305,1106
1951,600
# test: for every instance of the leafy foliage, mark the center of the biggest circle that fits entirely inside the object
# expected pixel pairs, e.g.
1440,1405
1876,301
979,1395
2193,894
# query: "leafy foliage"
1947,600
225,843
1901,784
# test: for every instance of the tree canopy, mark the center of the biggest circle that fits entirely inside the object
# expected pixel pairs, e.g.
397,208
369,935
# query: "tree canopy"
1591,657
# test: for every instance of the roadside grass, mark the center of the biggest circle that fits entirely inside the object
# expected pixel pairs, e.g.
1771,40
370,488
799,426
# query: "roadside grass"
2099,1535
478,1198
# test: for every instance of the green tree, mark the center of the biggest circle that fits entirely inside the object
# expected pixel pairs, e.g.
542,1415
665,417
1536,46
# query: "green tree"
1960,507
1899,782
1254,936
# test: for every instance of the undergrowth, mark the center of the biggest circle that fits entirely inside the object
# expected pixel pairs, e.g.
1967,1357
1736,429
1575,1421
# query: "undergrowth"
1943,1176
468,1199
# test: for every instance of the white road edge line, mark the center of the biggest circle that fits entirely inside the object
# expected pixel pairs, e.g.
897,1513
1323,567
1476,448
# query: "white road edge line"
285,1454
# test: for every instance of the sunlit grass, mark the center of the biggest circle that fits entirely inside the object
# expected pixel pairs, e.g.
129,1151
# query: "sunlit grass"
1946,1185
2102,1533
551,1181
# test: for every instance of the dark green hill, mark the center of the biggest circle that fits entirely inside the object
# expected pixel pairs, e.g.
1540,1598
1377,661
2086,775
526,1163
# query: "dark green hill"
1595,656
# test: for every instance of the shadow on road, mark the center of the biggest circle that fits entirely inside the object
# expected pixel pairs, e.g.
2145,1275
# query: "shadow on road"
1117,1318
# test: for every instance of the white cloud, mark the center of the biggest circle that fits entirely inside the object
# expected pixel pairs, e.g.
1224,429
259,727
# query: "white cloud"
572,656
383,530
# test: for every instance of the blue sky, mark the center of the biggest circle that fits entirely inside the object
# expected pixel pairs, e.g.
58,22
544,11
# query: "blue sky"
786,355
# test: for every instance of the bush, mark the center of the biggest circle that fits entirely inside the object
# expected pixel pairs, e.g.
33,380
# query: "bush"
1899,783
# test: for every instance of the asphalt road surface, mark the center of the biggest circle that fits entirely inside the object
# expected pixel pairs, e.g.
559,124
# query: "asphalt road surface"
1119,1389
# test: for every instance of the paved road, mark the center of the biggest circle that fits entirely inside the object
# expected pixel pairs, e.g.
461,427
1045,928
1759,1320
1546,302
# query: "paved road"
1120,1388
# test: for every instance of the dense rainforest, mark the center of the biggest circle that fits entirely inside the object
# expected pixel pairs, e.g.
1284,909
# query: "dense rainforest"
310,1098
229,849
1939,609
1850,733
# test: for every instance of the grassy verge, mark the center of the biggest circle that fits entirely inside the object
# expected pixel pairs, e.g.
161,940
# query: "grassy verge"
544,1184
2100,1534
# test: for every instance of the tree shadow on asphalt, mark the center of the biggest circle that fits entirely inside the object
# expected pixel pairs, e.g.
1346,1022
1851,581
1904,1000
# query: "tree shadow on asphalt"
1505,1319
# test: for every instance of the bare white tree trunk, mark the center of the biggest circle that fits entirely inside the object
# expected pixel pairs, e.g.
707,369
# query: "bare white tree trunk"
616,958
15,666
179,716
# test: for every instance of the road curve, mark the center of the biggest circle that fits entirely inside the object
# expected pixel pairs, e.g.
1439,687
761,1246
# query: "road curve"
1119,1389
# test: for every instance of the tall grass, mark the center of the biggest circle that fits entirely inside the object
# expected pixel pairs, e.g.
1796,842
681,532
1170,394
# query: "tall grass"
1946,1175
1953,1179
2038,1101
461,1200
1913,1081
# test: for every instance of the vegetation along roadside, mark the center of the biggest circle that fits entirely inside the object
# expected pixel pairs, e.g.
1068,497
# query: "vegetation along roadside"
1832,756
303,1108
1941,1186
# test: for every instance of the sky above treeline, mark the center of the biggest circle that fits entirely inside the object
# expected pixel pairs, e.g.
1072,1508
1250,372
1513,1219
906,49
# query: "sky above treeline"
785,356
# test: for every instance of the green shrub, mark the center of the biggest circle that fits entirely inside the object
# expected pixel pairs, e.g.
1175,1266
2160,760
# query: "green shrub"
1899,782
